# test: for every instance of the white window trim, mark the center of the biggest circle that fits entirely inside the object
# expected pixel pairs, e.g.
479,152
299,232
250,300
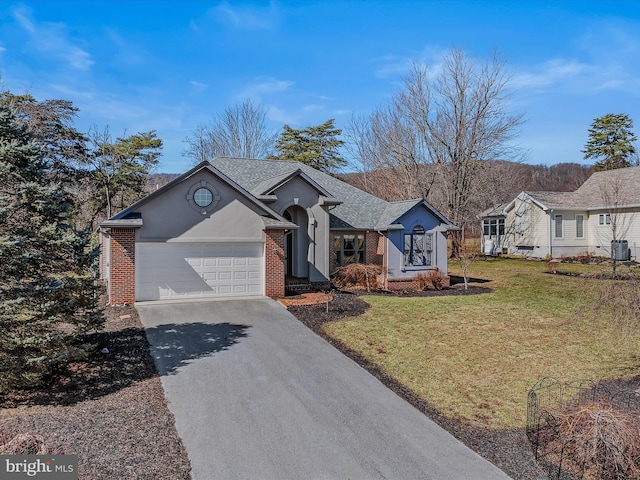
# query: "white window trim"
555,225
604,219
581,216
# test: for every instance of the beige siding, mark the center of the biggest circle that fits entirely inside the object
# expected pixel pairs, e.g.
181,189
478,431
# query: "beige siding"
526,228
625,224
569,244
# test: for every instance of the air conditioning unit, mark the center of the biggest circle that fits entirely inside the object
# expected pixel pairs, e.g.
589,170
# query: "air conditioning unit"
620,250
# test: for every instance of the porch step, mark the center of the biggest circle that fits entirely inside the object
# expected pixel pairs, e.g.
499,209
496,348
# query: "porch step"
301,285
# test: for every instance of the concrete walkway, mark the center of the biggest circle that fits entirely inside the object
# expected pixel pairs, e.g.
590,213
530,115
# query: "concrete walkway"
256,395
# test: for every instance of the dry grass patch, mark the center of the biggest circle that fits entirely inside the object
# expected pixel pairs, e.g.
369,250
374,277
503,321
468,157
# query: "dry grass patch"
475,357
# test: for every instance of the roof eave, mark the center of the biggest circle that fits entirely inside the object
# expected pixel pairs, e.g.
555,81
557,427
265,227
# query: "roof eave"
326,201
122,223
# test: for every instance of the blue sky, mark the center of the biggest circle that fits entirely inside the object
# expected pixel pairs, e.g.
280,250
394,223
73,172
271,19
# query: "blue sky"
168,66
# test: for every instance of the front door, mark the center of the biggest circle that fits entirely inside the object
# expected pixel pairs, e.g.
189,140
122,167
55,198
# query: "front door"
288,254
297,243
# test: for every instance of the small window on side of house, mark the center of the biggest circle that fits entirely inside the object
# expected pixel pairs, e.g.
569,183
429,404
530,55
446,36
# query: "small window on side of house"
579,226
604,219
558,226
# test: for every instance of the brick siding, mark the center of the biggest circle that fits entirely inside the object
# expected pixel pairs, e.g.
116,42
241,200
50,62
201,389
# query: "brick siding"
371,253
123,266
274,263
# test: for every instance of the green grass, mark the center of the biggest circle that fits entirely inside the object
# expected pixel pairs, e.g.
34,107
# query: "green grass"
475,357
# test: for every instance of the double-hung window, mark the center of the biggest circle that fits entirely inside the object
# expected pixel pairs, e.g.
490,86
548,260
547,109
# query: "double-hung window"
349,248
418,248
558,226
579,226
604,219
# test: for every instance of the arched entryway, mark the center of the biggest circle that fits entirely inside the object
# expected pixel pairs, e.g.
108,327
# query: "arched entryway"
296,243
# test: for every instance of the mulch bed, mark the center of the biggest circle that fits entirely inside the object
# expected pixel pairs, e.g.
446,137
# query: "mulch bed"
508,449
109,410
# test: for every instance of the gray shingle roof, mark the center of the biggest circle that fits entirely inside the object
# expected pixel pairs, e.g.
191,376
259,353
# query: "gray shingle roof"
359,210
601,185
620,187
496,211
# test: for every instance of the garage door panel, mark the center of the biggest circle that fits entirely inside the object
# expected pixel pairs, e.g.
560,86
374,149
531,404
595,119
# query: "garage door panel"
210,262
173,271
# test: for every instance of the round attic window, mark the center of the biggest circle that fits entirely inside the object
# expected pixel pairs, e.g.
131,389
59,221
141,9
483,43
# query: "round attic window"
203,197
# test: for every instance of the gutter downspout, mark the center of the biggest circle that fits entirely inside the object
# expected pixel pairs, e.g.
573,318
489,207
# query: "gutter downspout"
551,221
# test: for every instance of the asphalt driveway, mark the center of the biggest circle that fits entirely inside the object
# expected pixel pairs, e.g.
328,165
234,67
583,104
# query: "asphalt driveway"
257,395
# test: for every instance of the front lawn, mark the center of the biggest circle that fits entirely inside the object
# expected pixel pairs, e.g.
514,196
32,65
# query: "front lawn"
474,357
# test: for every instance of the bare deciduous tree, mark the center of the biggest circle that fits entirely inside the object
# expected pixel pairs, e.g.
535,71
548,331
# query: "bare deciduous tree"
240,131
390,149
462,117
452,121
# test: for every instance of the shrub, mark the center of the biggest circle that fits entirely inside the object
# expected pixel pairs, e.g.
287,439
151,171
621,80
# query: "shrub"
27,443
600,441
364,275
437,279
422,281
432,279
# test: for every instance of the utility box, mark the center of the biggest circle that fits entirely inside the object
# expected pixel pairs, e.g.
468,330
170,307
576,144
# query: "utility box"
620,250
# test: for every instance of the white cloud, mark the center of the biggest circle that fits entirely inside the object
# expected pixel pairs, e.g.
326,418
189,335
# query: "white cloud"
312,108
198,84
399,66
391,66
266,86
549,73
52,39
280,116
246,17
128,53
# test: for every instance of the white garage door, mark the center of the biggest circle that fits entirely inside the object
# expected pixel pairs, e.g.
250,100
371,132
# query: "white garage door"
168,271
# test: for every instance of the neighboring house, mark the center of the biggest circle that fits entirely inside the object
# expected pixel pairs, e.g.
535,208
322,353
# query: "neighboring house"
237,227
600,218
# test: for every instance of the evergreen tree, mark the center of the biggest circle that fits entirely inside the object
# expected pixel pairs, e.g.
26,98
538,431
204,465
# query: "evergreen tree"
610,142
47,293
50,123
314,146
117,170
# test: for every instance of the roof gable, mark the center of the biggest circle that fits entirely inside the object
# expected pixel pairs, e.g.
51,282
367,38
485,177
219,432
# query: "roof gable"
611,188
270,217
396,210
270,185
